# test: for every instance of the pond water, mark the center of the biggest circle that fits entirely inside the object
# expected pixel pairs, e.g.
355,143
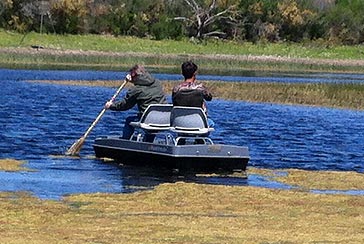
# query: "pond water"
38,122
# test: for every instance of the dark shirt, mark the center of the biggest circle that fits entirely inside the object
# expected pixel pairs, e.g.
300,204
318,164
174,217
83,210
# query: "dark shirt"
191,94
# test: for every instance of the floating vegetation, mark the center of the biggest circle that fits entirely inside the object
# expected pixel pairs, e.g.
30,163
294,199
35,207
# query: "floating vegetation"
184,213
12,165
314,180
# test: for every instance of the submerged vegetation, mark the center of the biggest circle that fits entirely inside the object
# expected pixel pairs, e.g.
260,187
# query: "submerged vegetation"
314,180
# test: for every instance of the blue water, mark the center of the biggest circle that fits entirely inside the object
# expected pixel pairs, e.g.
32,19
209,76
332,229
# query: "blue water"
38,122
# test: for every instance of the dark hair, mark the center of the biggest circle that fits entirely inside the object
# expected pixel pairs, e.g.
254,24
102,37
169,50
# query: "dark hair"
188,69
138,69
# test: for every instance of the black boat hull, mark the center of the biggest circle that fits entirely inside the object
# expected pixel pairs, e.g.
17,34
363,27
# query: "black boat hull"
197,158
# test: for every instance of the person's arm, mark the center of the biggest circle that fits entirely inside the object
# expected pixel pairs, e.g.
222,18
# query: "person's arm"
206,94
126,103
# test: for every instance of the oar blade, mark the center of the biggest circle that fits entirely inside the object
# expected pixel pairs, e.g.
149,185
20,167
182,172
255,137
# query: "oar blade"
75,149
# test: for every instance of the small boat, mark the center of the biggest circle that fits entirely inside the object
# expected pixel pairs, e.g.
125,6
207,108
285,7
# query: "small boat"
173,137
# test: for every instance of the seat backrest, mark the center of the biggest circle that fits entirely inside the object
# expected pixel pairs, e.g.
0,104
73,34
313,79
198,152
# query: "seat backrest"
157,114
188,118
188,97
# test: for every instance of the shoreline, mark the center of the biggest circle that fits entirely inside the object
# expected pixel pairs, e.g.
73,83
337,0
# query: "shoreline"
253,58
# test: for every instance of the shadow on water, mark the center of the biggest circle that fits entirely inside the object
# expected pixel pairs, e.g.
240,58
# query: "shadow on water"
40,120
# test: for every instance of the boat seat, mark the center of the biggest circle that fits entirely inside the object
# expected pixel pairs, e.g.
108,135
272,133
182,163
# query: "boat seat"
189,121
155,118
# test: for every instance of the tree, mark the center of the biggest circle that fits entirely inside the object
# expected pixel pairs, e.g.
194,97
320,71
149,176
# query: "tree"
259,20
345,21
204,16
295,20
70,16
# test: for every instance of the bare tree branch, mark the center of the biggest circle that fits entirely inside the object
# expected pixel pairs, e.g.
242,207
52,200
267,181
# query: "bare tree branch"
192,4
204,17
214,33
212,6
215,17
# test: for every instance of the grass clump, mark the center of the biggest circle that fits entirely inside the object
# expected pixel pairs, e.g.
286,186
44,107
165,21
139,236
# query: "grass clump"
12,165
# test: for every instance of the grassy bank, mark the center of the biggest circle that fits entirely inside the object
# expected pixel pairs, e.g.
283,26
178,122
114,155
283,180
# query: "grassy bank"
124,44
218,57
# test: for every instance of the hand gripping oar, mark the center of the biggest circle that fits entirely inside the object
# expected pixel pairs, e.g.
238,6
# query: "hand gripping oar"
75,149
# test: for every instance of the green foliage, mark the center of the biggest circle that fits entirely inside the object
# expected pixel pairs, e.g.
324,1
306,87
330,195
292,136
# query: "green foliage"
13,15
344,23
333,22
259,20
70,16
166,28
295,20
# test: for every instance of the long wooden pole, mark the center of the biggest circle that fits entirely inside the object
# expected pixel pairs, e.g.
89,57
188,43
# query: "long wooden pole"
75,149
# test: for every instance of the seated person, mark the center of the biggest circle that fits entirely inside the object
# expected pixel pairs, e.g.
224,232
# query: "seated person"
147,90
190,93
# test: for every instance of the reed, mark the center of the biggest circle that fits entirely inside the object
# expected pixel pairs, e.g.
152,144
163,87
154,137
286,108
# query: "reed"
349,96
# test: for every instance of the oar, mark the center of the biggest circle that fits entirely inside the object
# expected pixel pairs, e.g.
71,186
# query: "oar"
75,149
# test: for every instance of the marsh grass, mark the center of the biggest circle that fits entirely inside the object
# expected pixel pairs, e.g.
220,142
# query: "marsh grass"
194,213
227,65
313,94
184,213
336,95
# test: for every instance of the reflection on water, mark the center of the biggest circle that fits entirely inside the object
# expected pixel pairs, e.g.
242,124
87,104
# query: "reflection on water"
41,120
